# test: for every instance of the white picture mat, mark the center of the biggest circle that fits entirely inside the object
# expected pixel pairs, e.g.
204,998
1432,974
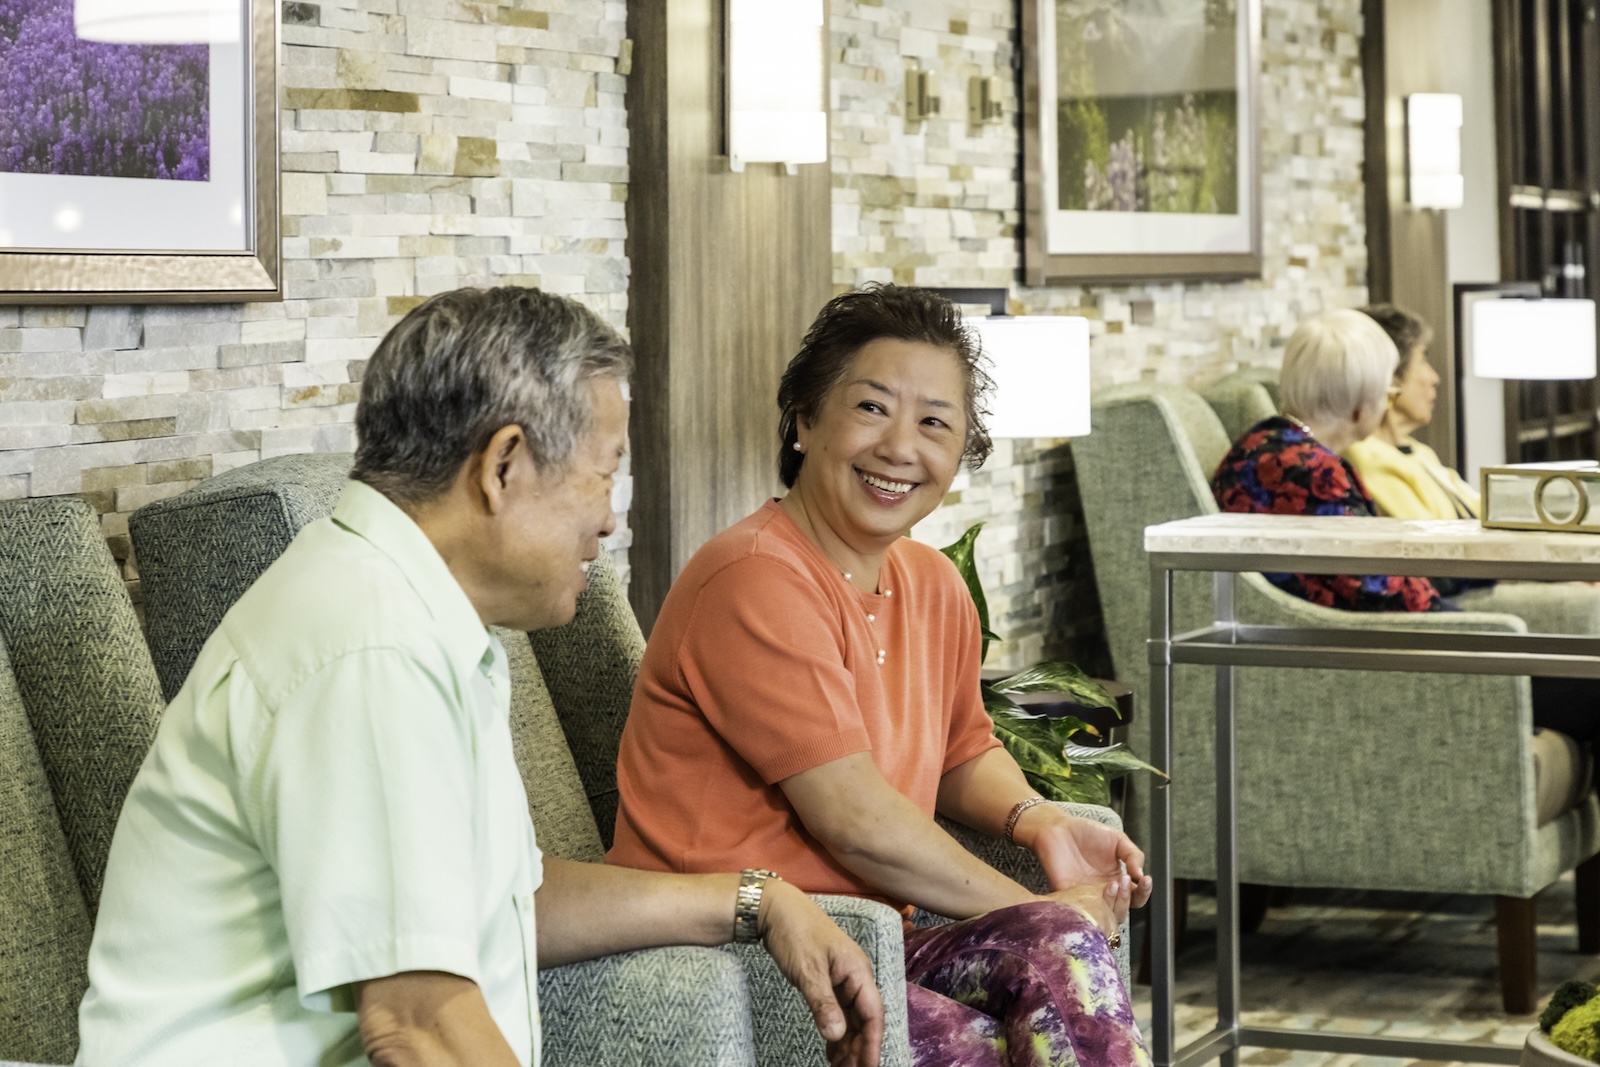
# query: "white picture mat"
147,215
1139,232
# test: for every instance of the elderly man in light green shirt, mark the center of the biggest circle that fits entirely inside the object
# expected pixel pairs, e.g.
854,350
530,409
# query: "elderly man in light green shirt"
327,853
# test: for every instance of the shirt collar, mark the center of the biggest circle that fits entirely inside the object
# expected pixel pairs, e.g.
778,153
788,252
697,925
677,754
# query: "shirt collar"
376,519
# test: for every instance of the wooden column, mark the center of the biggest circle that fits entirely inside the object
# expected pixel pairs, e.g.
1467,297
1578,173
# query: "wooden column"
1406,253
728,270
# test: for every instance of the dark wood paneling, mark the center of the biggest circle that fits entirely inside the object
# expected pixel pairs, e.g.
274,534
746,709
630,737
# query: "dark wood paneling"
728,270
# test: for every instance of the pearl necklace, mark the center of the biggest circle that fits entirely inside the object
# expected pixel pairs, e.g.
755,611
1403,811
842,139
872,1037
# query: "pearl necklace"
1300,424
871,618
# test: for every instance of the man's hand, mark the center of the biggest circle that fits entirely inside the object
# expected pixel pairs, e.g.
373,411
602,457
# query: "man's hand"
829,970
1075,852
428,1019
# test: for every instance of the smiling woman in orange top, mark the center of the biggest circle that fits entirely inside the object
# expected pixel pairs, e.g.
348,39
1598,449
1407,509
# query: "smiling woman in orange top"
809,699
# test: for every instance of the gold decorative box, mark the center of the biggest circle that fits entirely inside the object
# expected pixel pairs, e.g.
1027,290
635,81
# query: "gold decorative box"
1542,496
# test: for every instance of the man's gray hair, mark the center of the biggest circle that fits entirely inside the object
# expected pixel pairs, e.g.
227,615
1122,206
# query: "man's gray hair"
467,363
1335,363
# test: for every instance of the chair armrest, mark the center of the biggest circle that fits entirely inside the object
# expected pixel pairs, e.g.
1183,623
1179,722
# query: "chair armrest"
680,1006
784,1032
1020,865
1546,607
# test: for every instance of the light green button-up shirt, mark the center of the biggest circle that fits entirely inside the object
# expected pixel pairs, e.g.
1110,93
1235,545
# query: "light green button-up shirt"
331,797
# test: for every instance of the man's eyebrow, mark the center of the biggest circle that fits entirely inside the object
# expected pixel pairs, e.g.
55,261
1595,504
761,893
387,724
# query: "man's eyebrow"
932,402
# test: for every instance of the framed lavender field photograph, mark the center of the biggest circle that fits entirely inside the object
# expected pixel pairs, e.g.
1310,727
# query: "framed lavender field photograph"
1139,140
138,151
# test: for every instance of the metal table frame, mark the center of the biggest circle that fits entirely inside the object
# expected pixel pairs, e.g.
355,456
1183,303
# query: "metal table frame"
1227,644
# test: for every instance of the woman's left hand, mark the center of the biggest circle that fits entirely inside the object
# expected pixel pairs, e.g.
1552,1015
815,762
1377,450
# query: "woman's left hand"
1076,852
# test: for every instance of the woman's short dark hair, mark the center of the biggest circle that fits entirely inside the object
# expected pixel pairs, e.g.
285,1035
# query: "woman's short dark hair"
851,321
1404,329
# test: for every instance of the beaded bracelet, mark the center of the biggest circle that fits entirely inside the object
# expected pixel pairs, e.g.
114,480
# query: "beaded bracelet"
1016,813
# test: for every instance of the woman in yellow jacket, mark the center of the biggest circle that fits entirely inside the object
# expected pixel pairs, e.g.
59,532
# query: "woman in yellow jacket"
1404,476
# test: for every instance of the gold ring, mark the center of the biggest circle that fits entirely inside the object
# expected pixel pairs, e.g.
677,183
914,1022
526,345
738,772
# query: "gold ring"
1115,940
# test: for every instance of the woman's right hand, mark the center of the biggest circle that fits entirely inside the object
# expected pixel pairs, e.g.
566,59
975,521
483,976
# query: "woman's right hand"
1105,903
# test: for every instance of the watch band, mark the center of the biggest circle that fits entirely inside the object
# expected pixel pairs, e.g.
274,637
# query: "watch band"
747,905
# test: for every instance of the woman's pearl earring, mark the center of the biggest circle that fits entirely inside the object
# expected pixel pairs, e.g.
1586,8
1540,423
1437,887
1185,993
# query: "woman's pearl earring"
797,447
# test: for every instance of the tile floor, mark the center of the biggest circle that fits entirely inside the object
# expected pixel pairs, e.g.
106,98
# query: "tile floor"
1413,965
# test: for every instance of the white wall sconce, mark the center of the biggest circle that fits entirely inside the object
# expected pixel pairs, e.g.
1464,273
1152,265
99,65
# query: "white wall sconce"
1041,374
983,101
922,96
777,85
157,21
1533,340
1433,150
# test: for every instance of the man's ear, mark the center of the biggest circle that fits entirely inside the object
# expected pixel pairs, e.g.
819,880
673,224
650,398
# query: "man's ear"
496,464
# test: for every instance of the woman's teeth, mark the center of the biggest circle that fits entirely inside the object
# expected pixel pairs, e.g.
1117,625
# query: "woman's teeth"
886,485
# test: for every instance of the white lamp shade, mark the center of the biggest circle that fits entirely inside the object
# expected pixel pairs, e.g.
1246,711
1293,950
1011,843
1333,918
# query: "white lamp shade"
158,21
777,84
1433,150
1533,340
1041,374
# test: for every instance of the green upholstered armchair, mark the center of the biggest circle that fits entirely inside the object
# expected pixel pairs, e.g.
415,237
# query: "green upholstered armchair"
1346,779
1243,399
571,688
78,709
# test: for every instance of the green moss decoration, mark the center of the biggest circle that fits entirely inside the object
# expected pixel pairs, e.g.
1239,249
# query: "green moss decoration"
1575,1033
1568,995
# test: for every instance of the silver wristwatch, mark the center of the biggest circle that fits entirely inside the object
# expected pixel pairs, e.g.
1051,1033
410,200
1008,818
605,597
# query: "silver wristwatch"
747,906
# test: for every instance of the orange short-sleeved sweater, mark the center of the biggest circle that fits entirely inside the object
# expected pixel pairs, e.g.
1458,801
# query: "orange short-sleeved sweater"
764,663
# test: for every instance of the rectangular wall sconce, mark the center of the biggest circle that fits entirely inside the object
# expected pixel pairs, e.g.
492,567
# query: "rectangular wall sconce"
777,83
1433,150
1533,340
1040,367
922,97
983,101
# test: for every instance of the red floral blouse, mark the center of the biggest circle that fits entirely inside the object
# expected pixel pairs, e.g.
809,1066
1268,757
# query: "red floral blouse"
1280,469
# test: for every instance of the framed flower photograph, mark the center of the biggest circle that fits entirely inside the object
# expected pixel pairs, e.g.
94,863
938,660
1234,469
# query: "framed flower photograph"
138,151
1140,140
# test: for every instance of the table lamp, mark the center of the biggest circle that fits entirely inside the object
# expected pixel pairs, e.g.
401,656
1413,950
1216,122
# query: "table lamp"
1040,367
1533,340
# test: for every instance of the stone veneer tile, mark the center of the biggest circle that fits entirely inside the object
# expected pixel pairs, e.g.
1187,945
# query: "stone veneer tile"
401,133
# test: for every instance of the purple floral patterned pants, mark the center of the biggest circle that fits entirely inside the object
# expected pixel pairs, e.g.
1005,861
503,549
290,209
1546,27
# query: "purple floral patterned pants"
1034,985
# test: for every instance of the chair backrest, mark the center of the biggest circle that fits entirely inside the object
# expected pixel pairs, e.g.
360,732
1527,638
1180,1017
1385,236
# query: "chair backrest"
79,706
1243,399
199,551
570,686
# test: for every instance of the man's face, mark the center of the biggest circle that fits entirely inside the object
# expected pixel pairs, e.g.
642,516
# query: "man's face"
554,518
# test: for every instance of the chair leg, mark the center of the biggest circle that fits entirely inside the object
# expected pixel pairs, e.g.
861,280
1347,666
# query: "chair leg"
1254,899
1514,924
1588,902
1180,915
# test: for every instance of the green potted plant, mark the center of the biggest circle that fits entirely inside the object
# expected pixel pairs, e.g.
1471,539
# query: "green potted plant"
1043,746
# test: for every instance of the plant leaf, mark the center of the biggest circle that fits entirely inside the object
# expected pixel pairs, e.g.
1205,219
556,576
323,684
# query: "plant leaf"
961,554
1058,677
1116,759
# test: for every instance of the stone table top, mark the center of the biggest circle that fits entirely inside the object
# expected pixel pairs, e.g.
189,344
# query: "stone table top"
1457,547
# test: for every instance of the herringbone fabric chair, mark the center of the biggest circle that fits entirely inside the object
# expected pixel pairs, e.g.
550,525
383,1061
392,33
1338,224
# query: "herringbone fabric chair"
78,709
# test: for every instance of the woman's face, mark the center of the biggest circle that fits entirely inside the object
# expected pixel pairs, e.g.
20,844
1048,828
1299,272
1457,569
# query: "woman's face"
887,442
1419,386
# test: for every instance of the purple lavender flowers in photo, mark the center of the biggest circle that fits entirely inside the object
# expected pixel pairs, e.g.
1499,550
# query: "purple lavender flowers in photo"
69,106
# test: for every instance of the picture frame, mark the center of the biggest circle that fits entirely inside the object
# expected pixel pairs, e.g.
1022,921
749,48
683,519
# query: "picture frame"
120,239
1176,194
